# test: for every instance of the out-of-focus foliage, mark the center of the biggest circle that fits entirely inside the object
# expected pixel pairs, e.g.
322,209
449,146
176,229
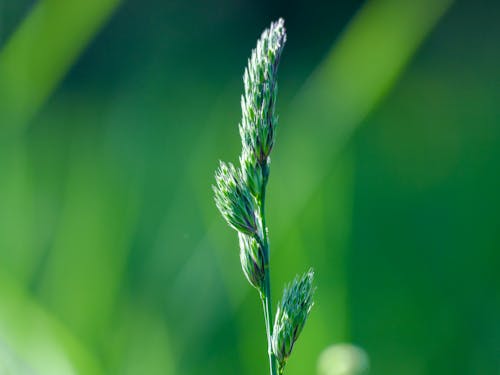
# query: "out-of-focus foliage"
113,258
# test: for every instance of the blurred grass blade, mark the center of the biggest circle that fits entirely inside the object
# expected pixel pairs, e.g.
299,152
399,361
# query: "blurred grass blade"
19,252
361,69
33,342
140,342
84,269
42,50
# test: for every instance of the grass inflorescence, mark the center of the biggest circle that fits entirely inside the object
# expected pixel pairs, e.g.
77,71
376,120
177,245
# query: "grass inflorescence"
240,194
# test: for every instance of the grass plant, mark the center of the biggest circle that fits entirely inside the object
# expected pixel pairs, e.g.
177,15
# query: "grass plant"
240,196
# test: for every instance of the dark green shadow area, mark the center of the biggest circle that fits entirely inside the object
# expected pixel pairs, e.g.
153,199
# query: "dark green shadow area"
384,178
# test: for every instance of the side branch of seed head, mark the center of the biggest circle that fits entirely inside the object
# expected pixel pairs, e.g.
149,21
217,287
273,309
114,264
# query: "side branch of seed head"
234,200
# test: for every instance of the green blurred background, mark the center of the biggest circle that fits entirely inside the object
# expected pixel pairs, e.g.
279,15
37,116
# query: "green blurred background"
385,179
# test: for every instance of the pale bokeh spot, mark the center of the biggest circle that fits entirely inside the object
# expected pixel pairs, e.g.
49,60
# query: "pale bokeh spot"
343,359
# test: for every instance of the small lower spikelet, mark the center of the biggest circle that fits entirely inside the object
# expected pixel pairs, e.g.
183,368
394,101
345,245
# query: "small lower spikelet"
252,260
291,316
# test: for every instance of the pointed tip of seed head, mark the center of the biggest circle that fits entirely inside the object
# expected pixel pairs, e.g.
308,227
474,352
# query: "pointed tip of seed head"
278,27
278,24
310,274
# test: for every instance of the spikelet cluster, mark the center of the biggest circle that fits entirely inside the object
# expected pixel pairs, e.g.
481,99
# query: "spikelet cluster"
291,316
252,259
233,199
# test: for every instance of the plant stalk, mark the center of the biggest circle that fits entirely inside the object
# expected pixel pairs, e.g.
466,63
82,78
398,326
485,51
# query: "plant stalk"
267,306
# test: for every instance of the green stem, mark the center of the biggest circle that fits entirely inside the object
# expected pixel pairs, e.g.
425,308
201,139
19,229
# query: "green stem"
266,292
268,318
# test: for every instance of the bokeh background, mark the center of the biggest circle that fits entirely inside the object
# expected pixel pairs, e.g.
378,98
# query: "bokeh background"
385,179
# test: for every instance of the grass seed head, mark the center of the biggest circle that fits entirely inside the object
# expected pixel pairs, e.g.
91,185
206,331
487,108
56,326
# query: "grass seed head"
240,196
